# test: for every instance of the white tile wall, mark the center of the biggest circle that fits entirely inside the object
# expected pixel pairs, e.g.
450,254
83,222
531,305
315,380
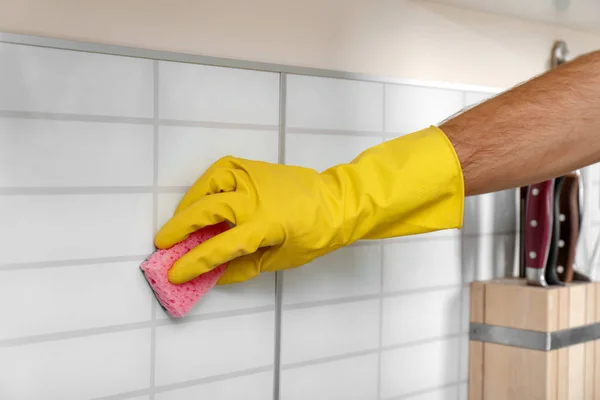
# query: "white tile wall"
213,347
350,271
419,316
491,213
42,153
325,103
325,331
250,387
446,393
431,365
61,227
77,191
420,264
472,98
78,368
323,151
185,153
349,379
57,81
69,298
204,93
410,108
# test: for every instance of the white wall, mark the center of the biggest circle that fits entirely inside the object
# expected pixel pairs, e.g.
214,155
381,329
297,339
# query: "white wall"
407,39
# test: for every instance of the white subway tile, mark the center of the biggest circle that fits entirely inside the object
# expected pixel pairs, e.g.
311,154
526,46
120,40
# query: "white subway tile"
60,81
593,171
350,271
62,227
68,298
256,292
464,359
488,256
139,398
412,369
594,199
466,309
217,94
473,98
326,103
491,213
323,151
463,391
418,264
410,108
348,379
250,387
185,153
420,316
331,330
79,368
220,346
166,205
445,393
47,153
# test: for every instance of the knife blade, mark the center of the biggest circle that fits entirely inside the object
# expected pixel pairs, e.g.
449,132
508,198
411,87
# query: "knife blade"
538,214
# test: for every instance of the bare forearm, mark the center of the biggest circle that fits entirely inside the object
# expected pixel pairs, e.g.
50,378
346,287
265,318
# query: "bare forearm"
541,129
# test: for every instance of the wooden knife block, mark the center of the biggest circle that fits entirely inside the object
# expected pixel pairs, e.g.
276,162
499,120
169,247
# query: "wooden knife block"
512,371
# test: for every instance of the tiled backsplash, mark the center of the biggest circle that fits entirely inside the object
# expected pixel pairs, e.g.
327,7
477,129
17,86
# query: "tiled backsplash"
96,151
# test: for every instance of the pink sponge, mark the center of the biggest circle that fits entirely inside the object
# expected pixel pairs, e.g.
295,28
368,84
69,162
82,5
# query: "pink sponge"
178,300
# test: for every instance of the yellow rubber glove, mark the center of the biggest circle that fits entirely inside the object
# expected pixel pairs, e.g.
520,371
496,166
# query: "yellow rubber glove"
286,216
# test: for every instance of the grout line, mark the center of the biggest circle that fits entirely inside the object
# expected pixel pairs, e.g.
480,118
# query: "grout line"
70,263
215,378
324,360
279,276
50,337
380,343
341,132
331,302
157,322
186,384
428,390
218,125
422,341
155,153
134,120
125,395
28,191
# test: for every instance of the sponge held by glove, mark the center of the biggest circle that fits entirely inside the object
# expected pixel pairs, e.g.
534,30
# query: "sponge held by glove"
178,300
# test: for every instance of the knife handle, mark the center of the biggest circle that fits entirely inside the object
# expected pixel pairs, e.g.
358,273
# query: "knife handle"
538,230
569,226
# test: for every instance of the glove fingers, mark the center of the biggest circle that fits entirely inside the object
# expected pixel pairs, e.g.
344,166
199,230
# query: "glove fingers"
205,211
237,242
242,269
215,180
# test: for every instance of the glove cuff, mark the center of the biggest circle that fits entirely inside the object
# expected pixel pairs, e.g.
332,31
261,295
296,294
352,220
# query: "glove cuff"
409,185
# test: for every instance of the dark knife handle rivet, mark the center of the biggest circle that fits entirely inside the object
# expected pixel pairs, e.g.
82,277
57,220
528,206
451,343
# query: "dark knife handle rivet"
560,269
562,217
561,243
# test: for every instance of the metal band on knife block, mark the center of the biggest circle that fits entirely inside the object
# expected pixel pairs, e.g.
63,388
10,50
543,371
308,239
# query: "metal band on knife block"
534,340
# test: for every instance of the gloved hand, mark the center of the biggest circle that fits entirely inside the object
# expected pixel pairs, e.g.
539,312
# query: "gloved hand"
286,216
